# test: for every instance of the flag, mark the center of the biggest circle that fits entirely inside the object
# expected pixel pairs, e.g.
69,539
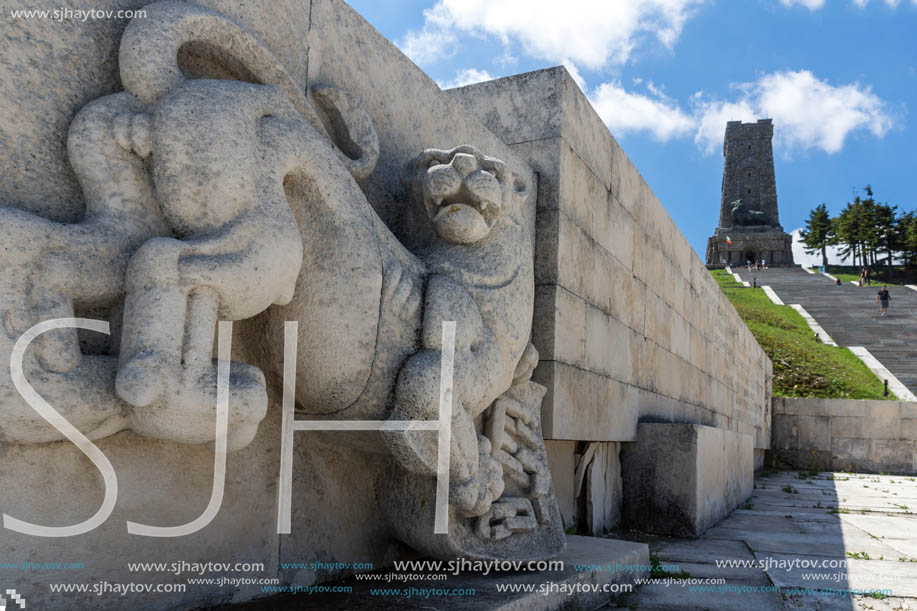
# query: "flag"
729,240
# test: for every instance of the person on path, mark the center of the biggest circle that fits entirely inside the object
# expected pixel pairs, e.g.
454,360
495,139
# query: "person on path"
882,298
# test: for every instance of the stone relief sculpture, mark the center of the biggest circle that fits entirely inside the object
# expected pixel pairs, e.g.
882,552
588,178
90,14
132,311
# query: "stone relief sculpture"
221,194
743,216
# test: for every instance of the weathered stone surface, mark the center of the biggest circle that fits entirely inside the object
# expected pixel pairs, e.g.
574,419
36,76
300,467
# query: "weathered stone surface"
221,177
603,489
814,433
847,426
680,479
843,407
809,407
605,238
562,462
579,404
881,420
233,162
869,436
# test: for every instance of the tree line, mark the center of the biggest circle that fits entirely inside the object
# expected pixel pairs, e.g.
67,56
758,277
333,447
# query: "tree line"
869,232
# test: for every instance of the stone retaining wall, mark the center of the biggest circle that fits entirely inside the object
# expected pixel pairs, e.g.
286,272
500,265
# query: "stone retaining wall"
845,435
629,323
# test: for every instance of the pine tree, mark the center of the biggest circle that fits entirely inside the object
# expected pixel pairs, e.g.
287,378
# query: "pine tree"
849,229
886,230
907,232
819,232
865,230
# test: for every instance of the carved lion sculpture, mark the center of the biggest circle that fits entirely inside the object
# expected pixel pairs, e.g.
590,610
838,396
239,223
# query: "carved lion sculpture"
217,199
742,215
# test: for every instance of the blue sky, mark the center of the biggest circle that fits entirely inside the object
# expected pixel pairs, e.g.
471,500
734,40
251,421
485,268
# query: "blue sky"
838,77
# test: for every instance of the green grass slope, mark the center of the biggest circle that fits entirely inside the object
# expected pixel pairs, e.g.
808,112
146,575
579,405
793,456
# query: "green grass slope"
803,367
849,273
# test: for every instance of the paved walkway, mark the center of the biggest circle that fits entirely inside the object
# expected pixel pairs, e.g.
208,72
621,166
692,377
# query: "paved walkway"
791,521
850,315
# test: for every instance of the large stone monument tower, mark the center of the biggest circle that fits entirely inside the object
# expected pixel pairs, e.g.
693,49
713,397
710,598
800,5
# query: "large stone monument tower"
749,227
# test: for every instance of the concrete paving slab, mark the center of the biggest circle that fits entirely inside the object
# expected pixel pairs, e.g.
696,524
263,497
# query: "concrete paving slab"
900,577
659,596
799,516
884,526
749,575
779,522
822,603
703,550
861,544
907,547
833,543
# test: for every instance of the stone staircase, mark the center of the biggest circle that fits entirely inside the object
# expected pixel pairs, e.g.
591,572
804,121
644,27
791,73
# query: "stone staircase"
850,315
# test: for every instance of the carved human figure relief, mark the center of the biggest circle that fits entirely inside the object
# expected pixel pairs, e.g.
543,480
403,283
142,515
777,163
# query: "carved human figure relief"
213,199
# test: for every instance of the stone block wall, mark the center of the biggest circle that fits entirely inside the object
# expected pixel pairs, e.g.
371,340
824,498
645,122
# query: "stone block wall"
845,435
681,479
629,324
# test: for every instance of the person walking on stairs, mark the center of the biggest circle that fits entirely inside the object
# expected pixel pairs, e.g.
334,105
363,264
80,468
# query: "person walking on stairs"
882,298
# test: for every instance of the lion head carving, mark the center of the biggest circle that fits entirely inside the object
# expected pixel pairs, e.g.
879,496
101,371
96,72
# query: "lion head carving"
462,191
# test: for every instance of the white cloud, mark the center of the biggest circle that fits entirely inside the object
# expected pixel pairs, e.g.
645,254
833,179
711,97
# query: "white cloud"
801,258
429,45
812,5
711,120
469,76
591,33
807,112
624,111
